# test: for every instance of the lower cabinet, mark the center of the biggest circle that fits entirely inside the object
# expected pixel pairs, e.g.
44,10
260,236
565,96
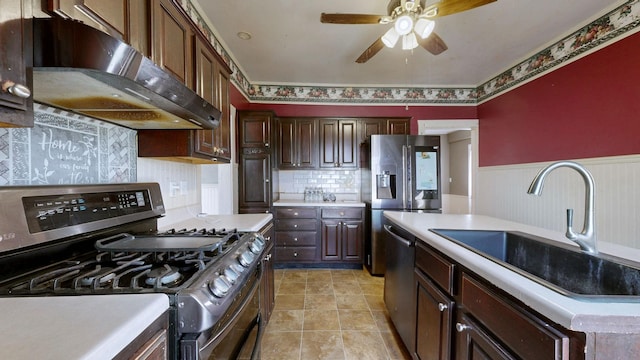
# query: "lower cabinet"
462,316
434,315
342,231
296,230
267,298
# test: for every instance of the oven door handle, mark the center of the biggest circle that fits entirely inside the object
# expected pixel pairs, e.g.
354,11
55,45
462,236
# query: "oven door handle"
255,353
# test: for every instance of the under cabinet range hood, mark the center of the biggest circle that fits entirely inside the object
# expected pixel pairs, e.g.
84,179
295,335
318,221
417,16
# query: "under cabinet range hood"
84,70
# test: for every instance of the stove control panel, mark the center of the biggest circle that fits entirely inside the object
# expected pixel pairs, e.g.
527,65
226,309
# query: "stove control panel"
51,212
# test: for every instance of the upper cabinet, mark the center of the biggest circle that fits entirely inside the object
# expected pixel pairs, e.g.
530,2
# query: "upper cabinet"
172,41
180,48
126,20
376,126
16,69
338,143
255,129
297,143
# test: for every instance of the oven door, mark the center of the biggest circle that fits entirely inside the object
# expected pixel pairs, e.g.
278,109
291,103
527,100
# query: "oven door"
238,337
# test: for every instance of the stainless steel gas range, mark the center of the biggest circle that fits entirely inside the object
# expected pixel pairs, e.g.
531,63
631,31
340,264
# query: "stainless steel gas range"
102,239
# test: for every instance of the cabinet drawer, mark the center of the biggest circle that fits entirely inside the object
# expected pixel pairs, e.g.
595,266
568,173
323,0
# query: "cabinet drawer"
295,253
296,238
296,224
527,336
342,213
435,266
309,213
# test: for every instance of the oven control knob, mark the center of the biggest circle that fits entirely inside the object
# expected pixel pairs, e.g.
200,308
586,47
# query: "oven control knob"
257,237
246,258
231,274
256,247
219,286
239,269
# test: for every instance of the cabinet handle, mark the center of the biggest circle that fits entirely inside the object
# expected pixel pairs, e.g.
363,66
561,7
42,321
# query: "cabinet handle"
342,213
295,225
266,145
442,307
266,211
295,239
295,254
295,214
462,327
17,90
266,180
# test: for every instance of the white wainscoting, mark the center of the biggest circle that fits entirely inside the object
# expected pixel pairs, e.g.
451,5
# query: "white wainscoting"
501,191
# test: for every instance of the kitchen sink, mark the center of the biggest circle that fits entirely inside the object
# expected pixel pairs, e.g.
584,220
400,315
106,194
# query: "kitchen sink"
558,266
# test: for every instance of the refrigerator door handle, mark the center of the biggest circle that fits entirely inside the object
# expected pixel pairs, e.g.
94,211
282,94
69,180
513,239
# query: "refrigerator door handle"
404,176
407,186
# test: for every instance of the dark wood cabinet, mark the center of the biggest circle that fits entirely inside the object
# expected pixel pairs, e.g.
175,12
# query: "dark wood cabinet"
487,323
382,126
182,51
341,232
254,128
172,41
434,314
127,20
338,143
212,84
268,299
255,161
297,143
296,230
16,64
254,176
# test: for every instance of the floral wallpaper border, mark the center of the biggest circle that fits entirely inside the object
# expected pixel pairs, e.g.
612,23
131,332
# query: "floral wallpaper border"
614,24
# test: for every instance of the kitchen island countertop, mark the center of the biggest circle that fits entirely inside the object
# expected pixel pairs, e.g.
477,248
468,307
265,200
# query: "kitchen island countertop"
75,327
573,313
301,203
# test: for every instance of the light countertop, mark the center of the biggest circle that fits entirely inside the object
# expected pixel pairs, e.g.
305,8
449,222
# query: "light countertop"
572,313
302,203
241,222
75,327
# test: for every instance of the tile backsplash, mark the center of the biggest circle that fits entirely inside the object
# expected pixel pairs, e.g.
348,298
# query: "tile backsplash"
339,182
65,148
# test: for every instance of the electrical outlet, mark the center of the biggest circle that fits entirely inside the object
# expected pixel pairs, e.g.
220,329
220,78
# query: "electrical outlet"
174,188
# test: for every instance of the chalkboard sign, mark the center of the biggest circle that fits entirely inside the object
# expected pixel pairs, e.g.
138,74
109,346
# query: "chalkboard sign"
63,156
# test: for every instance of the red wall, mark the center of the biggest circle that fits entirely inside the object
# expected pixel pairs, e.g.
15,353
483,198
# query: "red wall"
589,108
415,112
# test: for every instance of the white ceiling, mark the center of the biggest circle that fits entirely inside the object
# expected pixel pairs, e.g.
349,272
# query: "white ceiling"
289,45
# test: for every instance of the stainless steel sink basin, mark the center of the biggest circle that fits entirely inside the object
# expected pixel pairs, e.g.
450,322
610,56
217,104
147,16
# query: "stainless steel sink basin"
557,266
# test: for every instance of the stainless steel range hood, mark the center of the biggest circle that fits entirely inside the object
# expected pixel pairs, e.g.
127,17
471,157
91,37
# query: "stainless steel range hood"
84,70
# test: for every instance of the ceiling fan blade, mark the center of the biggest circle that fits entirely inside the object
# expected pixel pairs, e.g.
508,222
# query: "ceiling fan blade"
371,51
433,44
448,7
350,18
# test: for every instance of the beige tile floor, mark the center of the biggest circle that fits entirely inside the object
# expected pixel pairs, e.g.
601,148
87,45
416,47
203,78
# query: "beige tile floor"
330,315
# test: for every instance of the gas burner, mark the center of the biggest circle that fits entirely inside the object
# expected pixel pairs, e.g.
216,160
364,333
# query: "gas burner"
101,275
163,276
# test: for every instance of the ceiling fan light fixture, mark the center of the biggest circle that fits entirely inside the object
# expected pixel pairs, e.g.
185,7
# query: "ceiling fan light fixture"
404,24
424,27
390,38
409,41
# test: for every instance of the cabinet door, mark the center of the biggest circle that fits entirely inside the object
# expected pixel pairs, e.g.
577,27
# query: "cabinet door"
351,236
370,127
287,157
172,47
268,286
206,88
433,321
328,134
398,127
306,143
473,343
338,144
255,180
16,77
222,135
254,129
331,248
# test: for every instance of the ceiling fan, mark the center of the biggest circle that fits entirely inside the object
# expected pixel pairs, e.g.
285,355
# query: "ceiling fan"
409,18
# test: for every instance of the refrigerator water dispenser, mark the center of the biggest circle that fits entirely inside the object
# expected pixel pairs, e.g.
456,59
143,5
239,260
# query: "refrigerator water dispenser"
386,185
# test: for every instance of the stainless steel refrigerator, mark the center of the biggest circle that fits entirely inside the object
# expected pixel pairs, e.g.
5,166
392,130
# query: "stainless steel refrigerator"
401,173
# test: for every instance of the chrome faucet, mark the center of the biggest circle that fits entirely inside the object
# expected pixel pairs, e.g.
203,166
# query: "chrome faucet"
586,239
